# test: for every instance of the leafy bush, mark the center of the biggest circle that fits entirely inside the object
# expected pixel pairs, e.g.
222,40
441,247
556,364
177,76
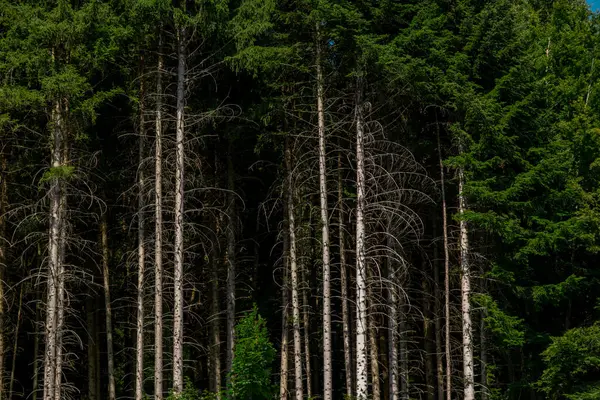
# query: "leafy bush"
250,376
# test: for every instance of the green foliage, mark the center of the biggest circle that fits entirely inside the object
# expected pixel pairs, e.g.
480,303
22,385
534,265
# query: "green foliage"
189,393
507,328
573,365
253,358
61,172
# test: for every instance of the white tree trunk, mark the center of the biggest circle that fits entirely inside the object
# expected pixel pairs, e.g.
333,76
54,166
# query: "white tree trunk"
373,349
362,374
295,284
344,284
306,323
15,346
327,368
158,240
139,340
467,327
179,199
108,309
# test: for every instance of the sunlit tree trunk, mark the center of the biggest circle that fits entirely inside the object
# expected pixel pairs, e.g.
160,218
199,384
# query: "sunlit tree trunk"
362,374
374,349
295,282
284,367
179,204
327,372
344,283
306,323
141,247
467,327
158,240
394,384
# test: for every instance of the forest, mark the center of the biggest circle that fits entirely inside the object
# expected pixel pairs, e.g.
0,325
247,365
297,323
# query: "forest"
299,200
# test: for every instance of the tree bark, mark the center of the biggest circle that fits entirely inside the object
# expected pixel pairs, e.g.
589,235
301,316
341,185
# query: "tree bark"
53,259
91,347
427,333
467,327
374,350
108,310
3,246
36,347
141,250
344,284
295,283
179,205
15,347
158,240
306,323
484,356
438,323
327,368
402,325
215,352
284,367
231,260
362,375
394,386
446,274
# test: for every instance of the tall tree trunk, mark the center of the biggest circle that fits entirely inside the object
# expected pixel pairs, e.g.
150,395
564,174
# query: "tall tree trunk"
306,323
427,333
284,367
179,200
484,356
139,341
108,309
3,246
15,347
403,327
327,368
344,283
91,347
215,348
438,322
36,349
53,259
231,261
362,375
158,240
295,282
446,273
374,349
394,382
467,331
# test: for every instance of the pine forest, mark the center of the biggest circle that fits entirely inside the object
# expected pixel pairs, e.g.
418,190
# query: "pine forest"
299,200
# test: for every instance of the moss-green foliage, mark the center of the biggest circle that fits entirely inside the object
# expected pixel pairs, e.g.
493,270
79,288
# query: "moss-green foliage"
507,328
253,358
573,365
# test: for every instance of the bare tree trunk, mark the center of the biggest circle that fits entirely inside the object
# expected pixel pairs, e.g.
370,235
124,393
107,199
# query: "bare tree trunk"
306,323
284,368
362,374
179,203
394,386
91,348
344,284
158,240
374,349
53,260
61,299
231,261
327,372
402,325
468,363
295,282
427,333
139,342
215,352
3,246
447,274
36,351
438,322
15,347
484,358
108,307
